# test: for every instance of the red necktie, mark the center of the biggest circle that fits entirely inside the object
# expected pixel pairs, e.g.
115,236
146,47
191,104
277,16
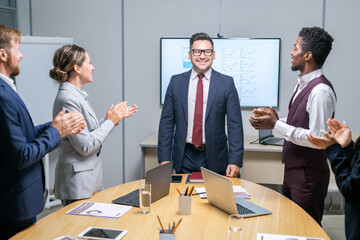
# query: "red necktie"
198,114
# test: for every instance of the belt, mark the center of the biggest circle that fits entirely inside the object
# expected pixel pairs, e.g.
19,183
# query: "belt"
201,147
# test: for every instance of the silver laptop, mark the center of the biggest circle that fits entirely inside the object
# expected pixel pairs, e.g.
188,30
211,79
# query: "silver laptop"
159,178
220,193
267,138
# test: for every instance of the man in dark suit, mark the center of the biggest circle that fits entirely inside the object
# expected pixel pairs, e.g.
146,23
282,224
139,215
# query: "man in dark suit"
195,106
23,145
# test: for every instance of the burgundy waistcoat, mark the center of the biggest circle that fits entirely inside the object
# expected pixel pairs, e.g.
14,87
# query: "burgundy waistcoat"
295,155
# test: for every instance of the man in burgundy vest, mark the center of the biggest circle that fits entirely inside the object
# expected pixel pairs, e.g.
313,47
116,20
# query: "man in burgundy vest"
306,175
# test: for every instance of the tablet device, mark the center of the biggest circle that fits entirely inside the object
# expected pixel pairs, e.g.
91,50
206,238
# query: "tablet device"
65,238
102,233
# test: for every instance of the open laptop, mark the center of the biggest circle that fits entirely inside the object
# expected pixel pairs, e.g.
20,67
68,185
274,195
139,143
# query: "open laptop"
267,138
159,178
220,193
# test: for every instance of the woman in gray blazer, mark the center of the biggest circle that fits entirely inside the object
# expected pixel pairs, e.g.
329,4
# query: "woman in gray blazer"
78,173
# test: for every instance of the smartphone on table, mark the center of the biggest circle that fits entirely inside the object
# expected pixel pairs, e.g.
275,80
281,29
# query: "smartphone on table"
176,178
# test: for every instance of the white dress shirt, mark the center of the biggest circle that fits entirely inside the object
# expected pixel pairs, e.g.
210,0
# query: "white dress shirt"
191,102
320,106
8,81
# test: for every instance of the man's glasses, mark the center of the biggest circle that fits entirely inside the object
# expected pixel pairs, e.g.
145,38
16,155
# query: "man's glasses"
198,52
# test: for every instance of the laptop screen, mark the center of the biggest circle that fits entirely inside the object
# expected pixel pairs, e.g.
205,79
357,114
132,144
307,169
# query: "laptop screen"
265,133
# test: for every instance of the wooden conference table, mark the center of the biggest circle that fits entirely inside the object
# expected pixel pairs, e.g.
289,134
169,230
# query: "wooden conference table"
205,222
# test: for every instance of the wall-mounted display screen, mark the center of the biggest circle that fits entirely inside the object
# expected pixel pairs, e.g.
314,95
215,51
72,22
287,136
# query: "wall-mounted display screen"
254,63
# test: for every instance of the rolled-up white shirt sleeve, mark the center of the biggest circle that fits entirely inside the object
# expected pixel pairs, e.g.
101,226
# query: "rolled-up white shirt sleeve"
320,106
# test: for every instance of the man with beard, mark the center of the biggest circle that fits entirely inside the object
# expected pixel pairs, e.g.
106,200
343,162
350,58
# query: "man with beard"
23,145
306,174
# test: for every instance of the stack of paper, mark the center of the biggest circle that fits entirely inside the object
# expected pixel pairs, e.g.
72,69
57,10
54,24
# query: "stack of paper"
104,210
238,192
265,236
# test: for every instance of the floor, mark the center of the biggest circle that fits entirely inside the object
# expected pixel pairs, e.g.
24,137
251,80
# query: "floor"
334,226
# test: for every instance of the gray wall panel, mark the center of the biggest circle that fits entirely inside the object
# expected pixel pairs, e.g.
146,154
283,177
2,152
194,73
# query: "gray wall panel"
145,23
88,23
342,22
276,18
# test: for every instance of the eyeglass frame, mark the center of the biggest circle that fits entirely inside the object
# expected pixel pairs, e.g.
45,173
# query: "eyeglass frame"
202,51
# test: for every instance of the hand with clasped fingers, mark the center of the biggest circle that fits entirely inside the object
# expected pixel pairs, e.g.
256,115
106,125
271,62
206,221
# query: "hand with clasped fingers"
68,123
339,133
264,118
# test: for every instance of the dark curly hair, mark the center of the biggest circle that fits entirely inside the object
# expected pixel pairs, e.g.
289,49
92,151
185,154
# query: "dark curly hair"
317,41
200,36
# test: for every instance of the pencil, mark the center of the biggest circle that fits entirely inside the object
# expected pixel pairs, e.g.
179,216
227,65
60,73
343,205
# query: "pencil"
191,190
187,188
176,226
178,191
173,227
199,193
162,228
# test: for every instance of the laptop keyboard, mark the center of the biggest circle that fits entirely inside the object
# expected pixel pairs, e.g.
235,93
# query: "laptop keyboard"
243,210
131,198
133,201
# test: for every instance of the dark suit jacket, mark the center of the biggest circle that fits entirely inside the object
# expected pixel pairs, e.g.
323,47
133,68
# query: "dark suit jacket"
22,146
345,163
223,99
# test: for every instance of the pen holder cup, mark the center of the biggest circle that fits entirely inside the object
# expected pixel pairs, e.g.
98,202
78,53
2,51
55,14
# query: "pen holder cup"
167,236
184,205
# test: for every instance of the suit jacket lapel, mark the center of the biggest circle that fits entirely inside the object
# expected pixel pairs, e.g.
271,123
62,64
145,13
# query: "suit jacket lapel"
185,92
214,84
14,94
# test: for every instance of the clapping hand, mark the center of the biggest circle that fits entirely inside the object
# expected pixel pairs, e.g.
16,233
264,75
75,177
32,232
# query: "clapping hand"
119,111
116,113
68,123
130,111
264,118
339,133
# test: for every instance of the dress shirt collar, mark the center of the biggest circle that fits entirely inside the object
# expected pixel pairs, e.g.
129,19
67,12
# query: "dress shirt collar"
82,92
304,80
8,81
193,75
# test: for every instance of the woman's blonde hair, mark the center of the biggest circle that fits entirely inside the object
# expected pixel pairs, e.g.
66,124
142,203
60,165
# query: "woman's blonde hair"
65,58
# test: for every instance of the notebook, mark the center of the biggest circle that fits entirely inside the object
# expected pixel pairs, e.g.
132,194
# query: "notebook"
196,177
220,193
267,138
159,178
